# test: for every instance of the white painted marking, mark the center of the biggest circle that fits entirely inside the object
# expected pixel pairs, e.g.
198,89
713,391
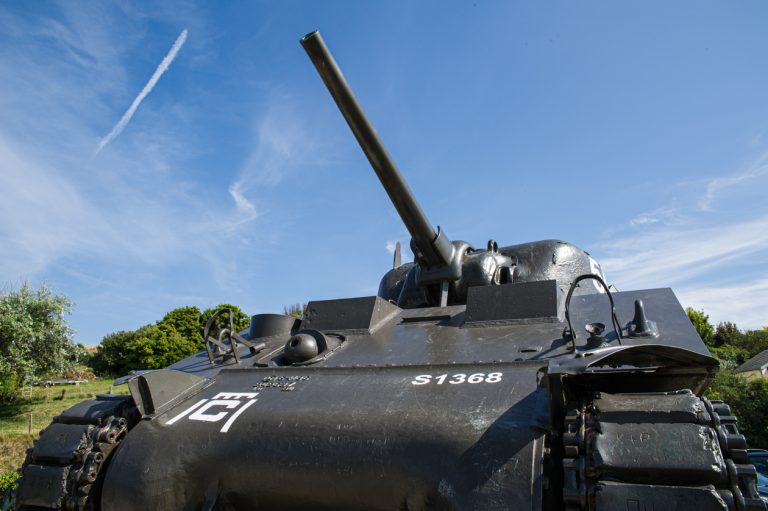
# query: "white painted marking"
200,415
235,415
594,267
235,395
457,379
186,412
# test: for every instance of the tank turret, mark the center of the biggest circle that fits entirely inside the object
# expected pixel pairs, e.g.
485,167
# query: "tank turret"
443,271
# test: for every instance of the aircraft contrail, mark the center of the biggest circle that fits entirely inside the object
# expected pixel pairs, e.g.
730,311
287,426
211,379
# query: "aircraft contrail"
162,68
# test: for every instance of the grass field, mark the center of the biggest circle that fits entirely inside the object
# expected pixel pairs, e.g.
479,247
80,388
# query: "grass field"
15,436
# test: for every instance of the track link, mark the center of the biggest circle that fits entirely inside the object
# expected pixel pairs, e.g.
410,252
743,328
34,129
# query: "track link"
656,451
62,470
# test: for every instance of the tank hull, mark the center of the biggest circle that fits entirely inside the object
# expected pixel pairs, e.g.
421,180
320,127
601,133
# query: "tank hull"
417,437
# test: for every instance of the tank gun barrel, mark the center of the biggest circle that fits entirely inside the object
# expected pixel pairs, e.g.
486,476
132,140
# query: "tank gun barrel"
434,247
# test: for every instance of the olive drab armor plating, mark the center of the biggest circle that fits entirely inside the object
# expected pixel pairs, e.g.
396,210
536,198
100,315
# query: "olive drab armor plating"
503,377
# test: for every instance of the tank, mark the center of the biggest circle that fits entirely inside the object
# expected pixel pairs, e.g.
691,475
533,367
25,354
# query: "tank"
500,377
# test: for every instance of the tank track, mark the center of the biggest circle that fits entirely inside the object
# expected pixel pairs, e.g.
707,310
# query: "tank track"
62,470
655,451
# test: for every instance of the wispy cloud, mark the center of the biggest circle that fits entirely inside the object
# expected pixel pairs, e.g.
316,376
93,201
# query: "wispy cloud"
110,230
668,256
245,207
718,185
743,303
709,257
281,145
653,217
58,219
281,142
161,68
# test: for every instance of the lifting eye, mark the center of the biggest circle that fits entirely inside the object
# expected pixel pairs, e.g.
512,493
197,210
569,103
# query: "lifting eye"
569,334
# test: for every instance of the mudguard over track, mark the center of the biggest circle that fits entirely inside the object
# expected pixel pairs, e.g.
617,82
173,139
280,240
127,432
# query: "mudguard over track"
62,470
655,451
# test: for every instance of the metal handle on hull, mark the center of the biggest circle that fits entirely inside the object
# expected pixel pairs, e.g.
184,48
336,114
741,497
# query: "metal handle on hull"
436,252
614,318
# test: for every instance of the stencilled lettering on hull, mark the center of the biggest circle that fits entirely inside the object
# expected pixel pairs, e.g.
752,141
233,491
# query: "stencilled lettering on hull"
223,404
283,383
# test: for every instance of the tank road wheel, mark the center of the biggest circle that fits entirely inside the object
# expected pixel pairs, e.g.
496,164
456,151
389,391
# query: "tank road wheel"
655,451
63,469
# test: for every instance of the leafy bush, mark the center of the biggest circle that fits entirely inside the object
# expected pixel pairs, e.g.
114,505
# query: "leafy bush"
701,324
753,342
748,400
149,347
111,355
184,321
734,347
176,336
153,348
730,356
9,384
7,482
36,339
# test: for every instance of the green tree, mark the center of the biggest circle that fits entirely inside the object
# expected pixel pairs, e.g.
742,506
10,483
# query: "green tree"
748,400
186,322
701,324
35,339
753,342
111,357
176,336
148,347
726,333
82,357
729,355
153,348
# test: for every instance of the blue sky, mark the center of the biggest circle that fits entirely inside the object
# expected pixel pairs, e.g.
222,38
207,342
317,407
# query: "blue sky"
638,131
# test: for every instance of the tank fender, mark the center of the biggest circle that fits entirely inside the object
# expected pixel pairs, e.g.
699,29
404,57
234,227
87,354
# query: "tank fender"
623,358
623,369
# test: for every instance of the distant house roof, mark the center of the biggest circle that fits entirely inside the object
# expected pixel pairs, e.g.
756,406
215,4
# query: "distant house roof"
755,363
